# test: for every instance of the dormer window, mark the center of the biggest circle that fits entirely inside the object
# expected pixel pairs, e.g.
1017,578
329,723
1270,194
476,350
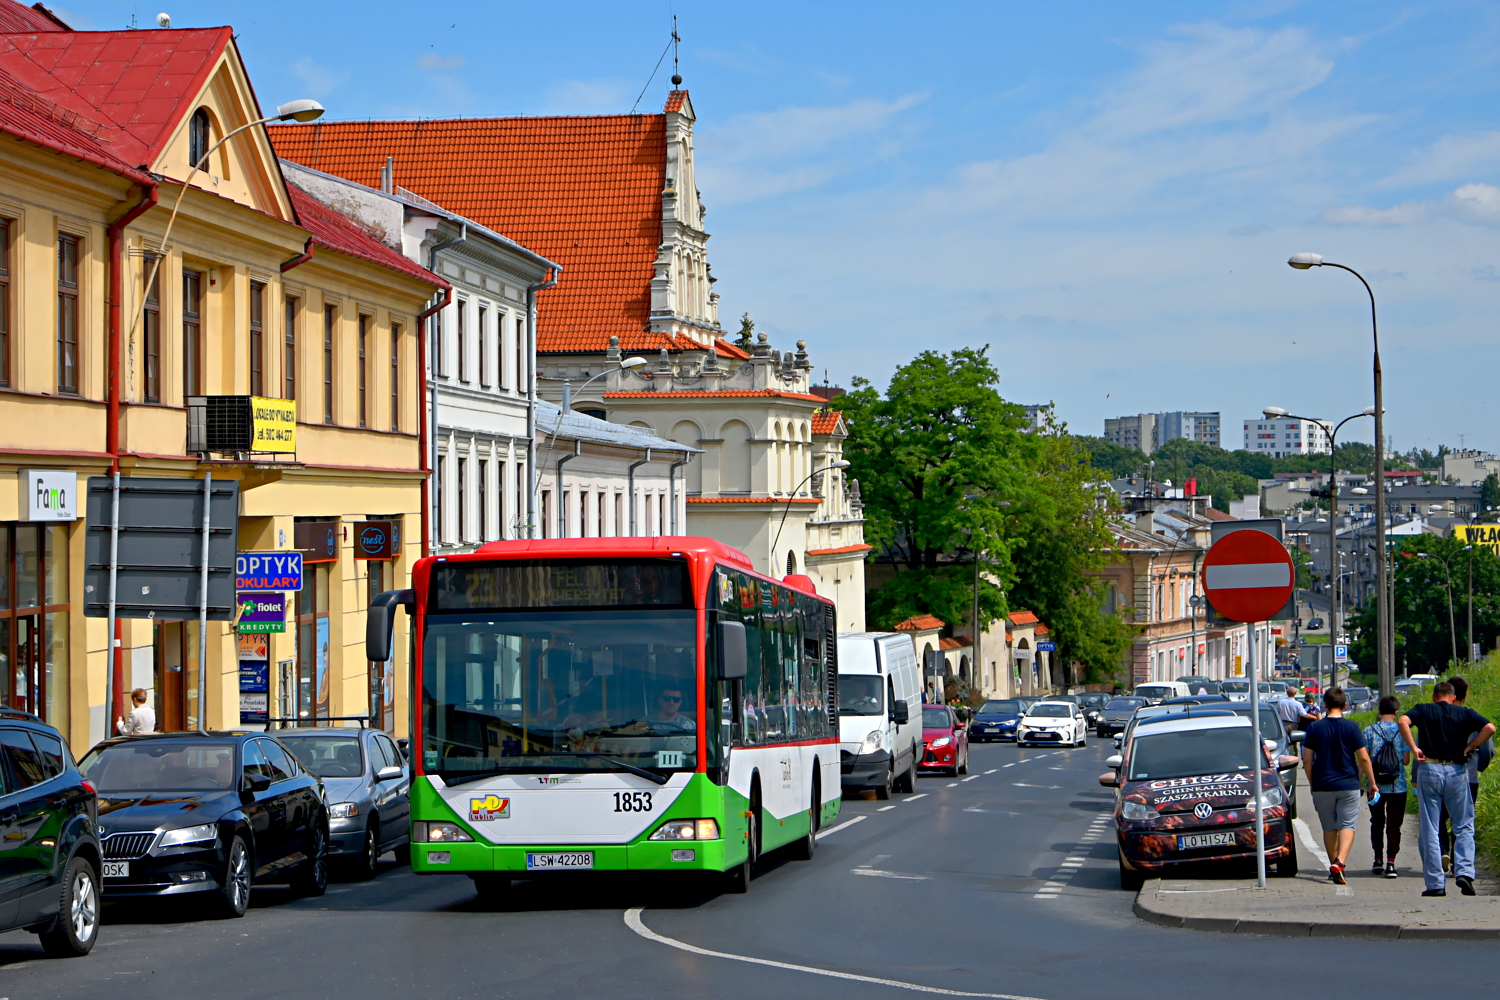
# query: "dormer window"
199,136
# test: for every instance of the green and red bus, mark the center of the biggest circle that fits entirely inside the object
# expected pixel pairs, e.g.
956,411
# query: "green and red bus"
616,704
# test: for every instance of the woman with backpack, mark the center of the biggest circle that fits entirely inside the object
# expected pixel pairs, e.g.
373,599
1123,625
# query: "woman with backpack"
1389,755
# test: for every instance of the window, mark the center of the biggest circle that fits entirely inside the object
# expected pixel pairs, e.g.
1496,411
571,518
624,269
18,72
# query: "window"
500,377
395,376
289,346
33,616
483,350
562,514
67,314
462,499
438,480
500,499
313,642
463,344
199,136
330,316
545,519
151,339
5,308
583,514
484,506
599,507
522,376
257,338
192,333
439,369
364,370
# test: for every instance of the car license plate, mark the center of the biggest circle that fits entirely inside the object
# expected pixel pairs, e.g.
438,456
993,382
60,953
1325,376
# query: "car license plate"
117,869
1188,841
561,859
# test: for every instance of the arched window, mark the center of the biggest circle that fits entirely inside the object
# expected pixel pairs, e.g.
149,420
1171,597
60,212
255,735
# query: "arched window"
199,138
791,563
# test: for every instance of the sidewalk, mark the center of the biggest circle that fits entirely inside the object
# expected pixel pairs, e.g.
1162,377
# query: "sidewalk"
1310,905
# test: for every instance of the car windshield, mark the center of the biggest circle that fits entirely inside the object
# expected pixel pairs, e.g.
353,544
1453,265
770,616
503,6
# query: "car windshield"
327,756
1003,708
1053,711
1093,700
935,718
1124,704
1154,691
1184,754
156,765
1243,687
861,694
1270,722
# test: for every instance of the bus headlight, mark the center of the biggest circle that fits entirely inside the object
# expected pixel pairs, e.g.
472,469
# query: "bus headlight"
439,833
687,829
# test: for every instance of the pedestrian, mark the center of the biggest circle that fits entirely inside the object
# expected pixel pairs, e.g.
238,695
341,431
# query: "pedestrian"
1477,761
1389,757
1333,755
1447,733
1310,706
1289,711
142,718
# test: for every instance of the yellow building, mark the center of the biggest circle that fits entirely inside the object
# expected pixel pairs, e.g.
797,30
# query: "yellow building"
260,291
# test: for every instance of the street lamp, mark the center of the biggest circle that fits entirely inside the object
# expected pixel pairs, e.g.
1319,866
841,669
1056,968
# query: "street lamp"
1274,412
1383,659
840,464
1452,628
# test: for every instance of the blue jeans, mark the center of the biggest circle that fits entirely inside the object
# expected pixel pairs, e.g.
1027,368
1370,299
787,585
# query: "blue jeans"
1442,786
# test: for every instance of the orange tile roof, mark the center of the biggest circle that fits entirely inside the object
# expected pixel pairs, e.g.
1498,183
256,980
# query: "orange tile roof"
1041,629
920,623
675,100
584,191
727,350
1214,514
714,394
839,551
1023,617
826,421
333,231
953,643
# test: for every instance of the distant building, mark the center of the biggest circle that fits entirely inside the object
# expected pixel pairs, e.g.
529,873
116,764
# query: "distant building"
1149,431
1285,436
1469,467
1037,415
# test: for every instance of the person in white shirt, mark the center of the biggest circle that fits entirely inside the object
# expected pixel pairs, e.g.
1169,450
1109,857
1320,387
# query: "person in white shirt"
142,718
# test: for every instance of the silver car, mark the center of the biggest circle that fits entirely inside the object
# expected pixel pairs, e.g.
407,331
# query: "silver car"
368,785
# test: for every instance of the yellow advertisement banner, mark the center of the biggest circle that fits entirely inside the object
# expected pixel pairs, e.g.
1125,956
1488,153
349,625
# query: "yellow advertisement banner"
275,424
1485,536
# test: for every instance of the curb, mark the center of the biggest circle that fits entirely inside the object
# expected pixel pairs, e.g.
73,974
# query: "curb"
1303,928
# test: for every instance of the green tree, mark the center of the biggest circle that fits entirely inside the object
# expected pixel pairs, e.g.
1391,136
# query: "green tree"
1489,494
746,337
1115,459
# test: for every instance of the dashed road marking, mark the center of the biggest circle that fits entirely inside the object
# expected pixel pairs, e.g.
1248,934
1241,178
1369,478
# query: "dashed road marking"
971,777
885,809
994,769
919,795
842,826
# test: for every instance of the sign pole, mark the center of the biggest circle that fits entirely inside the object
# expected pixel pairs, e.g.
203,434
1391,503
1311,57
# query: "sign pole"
208,479
1260,821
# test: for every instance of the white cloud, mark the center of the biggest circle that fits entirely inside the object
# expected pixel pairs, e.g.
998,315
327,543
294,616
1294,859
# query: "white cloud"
319,80
1480,202
1469,203
1360,215
1451,157
431,60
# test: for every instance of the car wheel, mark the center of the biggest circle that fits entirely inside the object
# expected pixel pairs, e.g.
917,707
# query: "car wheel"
312,880
367,865
1286,867
1130,879
884,791
908,781
233,897
77,925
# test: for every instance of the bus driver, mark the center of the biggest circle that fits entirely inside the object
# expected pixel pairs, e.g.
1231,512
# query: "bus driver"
667,716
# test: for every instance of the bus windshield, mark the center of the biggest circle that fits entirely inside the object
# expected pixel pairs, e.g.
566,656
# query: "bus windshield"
559,691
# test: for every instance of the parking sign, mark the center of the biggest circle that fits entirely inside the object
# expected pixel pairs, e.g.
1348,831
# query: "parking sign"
1340,654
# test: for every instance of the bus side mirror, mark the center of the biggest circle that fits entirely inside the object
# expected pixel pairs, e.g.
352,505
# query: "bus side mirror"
732,660
900,713
380,622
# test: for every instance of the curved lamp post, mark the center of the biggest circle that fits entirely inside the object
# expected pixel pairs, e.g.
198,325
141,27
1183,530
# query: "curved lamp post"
1384,660
840,464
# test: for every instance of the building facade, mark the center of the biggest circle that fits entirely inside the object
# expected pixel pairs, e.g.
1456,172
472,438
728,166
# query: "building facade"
1283,437
1149,431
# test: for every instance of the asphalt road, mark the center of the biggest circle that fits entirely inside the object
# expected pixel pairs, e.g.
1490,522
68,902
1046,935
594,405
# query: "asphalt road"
1003,883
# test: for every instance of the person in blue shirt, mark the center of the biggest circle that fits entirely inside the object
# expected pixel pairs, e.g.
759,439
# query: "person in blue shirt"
1334,754
1387,814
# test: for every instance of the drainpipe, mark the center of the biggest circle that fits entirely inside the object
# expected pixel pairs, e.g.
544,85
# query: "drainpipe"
672,487
116,660
430,455
422,429
633,467
302,258
534,477
562,508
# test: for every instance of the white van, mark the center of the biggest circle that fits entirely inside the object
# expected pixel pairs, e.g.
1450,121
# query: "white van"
1158,691
880,712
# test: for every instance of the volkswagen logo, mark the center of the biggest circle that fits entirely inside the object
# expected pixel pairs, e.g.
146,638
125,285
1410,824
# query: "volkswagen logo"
1203,810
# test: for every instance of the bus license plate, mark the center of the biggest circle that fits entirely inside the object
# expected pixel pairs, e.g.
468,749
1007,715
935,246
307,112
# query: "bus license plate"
562,859
117,869
1224,838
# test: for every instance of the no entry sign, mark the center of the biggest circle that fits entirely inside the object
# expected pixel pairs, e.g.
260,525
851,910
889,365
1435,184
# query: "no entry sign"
1247,576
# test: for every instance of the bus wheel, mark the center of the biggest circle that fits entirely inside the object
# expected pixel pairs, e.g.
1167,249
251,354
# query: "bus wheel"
491,889
803,849
737,879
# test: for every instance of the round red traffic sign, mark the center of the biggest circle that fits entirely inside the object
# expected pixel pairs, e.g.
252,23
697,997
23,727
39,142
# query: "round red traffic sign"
1247,576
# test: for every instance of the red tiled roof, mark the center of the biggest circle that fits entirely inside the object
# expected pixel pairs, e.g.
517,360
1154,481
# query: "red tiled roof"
1041,629
953,643
920,623
1023,617
41,122
1214,514
15,17
584,191
826,421
675,100
714,394
137,84
335,232
839,551
727,350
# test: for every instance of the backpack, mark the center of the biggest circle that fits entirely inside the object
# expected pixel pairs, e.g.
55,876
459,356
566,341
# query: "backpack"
1387,762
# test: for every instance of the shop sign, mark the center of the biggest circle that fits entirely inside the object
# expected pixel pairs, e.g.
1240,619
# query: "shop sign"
268,571
49,495
1046,647
377,539
261,613
255,691
319,540
274,424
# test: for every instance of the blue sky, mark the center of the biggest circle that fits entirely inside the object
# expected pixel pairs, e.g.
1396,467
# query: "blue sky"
1105,193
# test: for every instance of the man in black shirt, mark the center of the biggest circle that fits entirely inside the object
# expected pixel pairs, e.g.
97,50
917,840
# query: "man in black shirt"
1442,746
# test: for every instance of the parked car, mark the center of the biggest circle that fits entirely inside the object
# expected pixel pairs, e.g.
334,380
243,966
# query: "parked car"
1240,690
1116,715
947,741
1055,722
996,720
1315,623
1361,698
1158,690
368,786
1200,685
1091,702
212,813
49,844
1154,713
880,712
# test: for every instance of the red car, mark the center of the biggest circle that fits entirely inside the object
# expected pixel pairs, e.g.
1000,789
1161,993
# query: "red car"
946,739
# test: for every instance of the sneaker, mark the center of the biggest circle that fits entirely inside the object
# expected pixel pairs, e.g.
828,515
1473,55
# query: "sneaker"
1434,892
1465,885
1377,868
1390,869
1336,875
1448,863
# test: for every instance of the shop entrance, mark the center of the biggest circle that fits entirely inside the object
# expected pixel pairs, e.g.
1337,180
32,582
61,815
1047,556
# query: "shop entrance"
33,614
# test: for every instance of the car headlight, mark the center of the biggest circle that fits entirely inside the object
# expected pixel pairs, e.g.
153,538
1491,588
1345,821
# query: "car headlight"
941,741
1131,809
343,810
1022,727
687,829
1269,799
872,742
439,833
189,835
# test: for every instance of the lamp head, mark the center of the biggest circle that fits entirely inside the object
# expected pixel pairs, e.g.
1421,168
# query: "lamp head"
842,463
1274,411
1303,261
304,110
1368,411
1359,491
633,363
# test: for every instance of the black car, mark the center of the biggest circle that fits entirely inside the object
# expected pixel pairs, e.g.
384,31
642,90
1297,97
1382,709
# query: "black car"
997,718
49,850
1116,714
213,813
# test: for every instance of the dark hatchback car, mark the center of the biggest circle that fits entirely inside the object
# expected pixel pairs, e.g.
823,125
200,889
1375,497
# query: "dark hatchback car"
212,813
49,849
996,720
1115,715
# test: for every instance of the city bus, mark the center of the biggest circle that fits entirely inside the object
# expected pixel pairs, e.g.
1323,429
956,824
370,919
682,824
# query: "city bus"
615,704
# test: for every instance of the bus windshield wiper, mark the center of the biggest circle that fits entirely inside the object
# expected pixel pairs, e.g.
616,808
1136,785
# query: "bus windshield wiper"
640,771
